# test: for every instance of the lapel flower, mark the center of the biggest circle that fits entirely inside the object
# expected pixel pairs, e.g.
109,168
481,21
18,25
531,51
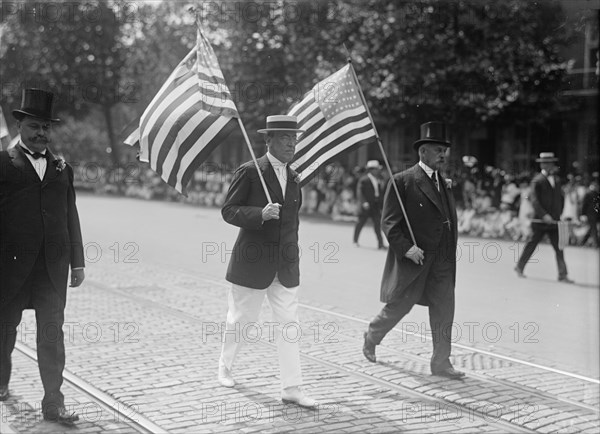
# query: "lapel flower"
448,182
295,177
59,164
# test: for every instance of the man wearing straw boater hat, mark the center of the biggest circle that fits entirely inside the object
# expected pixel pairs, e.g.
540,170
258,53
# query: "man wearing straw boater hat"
40,239
547,199
421,229
263,201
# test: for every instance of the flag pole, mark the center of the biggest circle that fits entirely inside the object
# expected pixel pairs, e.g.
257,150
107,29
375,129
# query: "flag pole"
260,175
385,159
247,140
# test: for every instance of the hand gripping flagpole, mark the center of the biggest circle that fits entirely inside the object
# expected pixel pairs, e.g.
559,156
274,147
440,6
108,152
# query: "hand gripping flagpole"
239,118
385,159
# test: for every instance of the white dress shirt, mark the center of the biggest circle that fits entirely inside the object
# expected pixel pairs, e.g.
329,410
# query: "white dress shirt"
375,183
40,164
429,171
280,170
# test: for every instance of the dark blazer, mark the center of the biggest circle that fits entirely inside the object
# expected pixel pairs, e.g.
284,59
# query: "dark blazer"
425,213
365,191
35,212
546,199
263,249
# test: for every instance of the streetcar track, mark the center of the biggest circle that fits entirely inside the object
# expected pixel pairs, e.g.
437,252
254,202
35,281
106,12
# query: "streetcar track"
123,412
481,377
403,332
504,425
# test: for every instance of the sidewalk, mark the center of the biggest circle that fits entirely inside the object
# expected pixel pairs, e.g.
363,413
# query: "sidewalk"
149,339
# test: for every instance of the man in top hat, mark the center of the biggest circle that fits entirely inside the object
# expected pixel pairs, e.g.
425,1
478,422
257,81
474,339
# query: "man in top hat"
423,273
40,239
369,195
265,257
548,200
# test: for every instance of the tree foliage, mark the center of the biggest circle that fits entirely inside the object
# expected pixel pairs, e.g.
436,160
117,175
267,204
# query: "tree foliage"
466,62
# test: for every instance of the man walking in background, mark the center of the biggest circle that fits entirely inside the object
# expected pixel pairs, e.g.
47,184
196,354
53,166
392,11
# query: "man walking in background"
424,273
548,200
369,195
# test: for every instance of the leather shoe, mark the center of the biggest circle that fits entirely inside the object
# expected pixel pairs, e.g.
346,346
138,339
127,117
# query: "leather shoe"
565,279
519,272
4,393
294,395
225,377
61,415
369,350
449,373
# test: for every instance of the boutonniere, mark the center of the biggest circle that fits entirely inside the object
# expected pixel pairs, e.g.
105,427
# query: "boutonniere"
59,164
448,182
296,177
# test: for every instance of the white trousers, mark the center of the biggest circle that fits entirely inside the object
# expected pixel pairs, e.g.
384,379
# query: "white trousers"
241,326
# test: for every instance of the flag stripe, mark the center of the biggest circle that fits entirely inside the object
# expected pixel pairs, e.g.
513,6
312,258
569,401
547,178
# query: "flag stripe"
230,126
328,130
333,123
187,119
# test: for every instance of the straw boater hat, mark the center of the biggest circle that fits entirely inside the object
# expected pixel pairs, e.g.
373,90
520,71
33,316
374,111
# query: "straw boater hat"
281,123
373,164
433,132
36,103
546,157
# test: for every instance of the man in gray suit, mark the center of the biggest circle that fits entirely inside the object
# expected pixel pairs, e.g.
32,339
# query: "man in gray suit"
548,200
424,273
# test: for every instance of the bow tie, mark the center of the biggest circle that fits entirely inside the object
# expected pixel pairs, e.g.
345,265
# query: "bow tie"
35,155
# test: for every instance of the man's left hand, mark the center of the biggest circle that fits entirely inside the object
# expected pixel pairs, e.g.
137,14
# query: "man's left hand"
77,277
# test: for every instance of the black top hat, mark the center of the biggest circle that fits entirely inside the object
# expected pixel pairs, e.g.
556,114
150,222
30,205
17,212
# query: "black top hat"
281,123
36,103
433,132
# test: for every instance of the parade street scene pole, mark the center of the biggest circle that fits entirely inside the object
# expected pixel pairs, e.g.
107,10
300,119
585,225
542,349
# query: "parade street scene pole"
299,216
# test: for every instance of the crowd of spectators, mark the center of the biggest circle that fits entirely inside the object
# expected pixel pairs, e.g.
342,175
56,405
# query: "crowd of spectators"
491,203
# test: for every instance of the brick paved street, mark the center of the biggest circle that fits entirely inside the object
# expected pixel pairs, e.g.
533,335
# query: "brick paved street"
143,340
149,339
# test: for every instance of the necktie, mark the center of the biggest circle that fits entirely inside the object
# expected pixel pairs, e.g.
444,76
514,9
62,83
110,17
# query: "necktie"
35,155
435,181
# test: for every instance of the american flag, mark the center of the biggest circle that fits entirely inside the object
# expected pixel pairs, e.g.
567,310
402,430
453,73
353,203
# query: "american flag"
335,120
189,117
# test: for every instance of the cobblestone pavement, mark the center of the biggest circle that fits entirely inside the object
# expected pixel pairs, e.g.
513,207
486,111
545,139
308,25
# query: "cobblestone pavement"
149,339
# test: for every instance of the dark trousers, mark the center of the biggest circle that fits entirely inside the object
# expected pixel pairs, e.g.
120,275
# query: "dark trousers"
435,284
592,231
39,293
539,230
374,213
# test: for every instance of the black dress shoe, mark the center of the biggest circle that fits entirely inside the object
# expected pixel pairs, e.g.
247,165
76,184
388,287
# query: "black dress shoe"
369,350
449,373
565,279
4,393
61,415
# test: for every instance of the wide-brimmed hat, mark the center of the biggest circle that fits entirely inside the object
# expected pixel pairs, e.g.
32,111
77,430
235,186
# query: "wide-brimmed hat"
281,123
433,132
546,157
36,103
373,164
469,160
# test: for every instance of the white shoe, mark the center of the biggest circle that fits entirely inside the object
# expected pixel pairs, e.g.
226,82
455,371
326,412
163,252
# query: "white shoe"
225,377
294,395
